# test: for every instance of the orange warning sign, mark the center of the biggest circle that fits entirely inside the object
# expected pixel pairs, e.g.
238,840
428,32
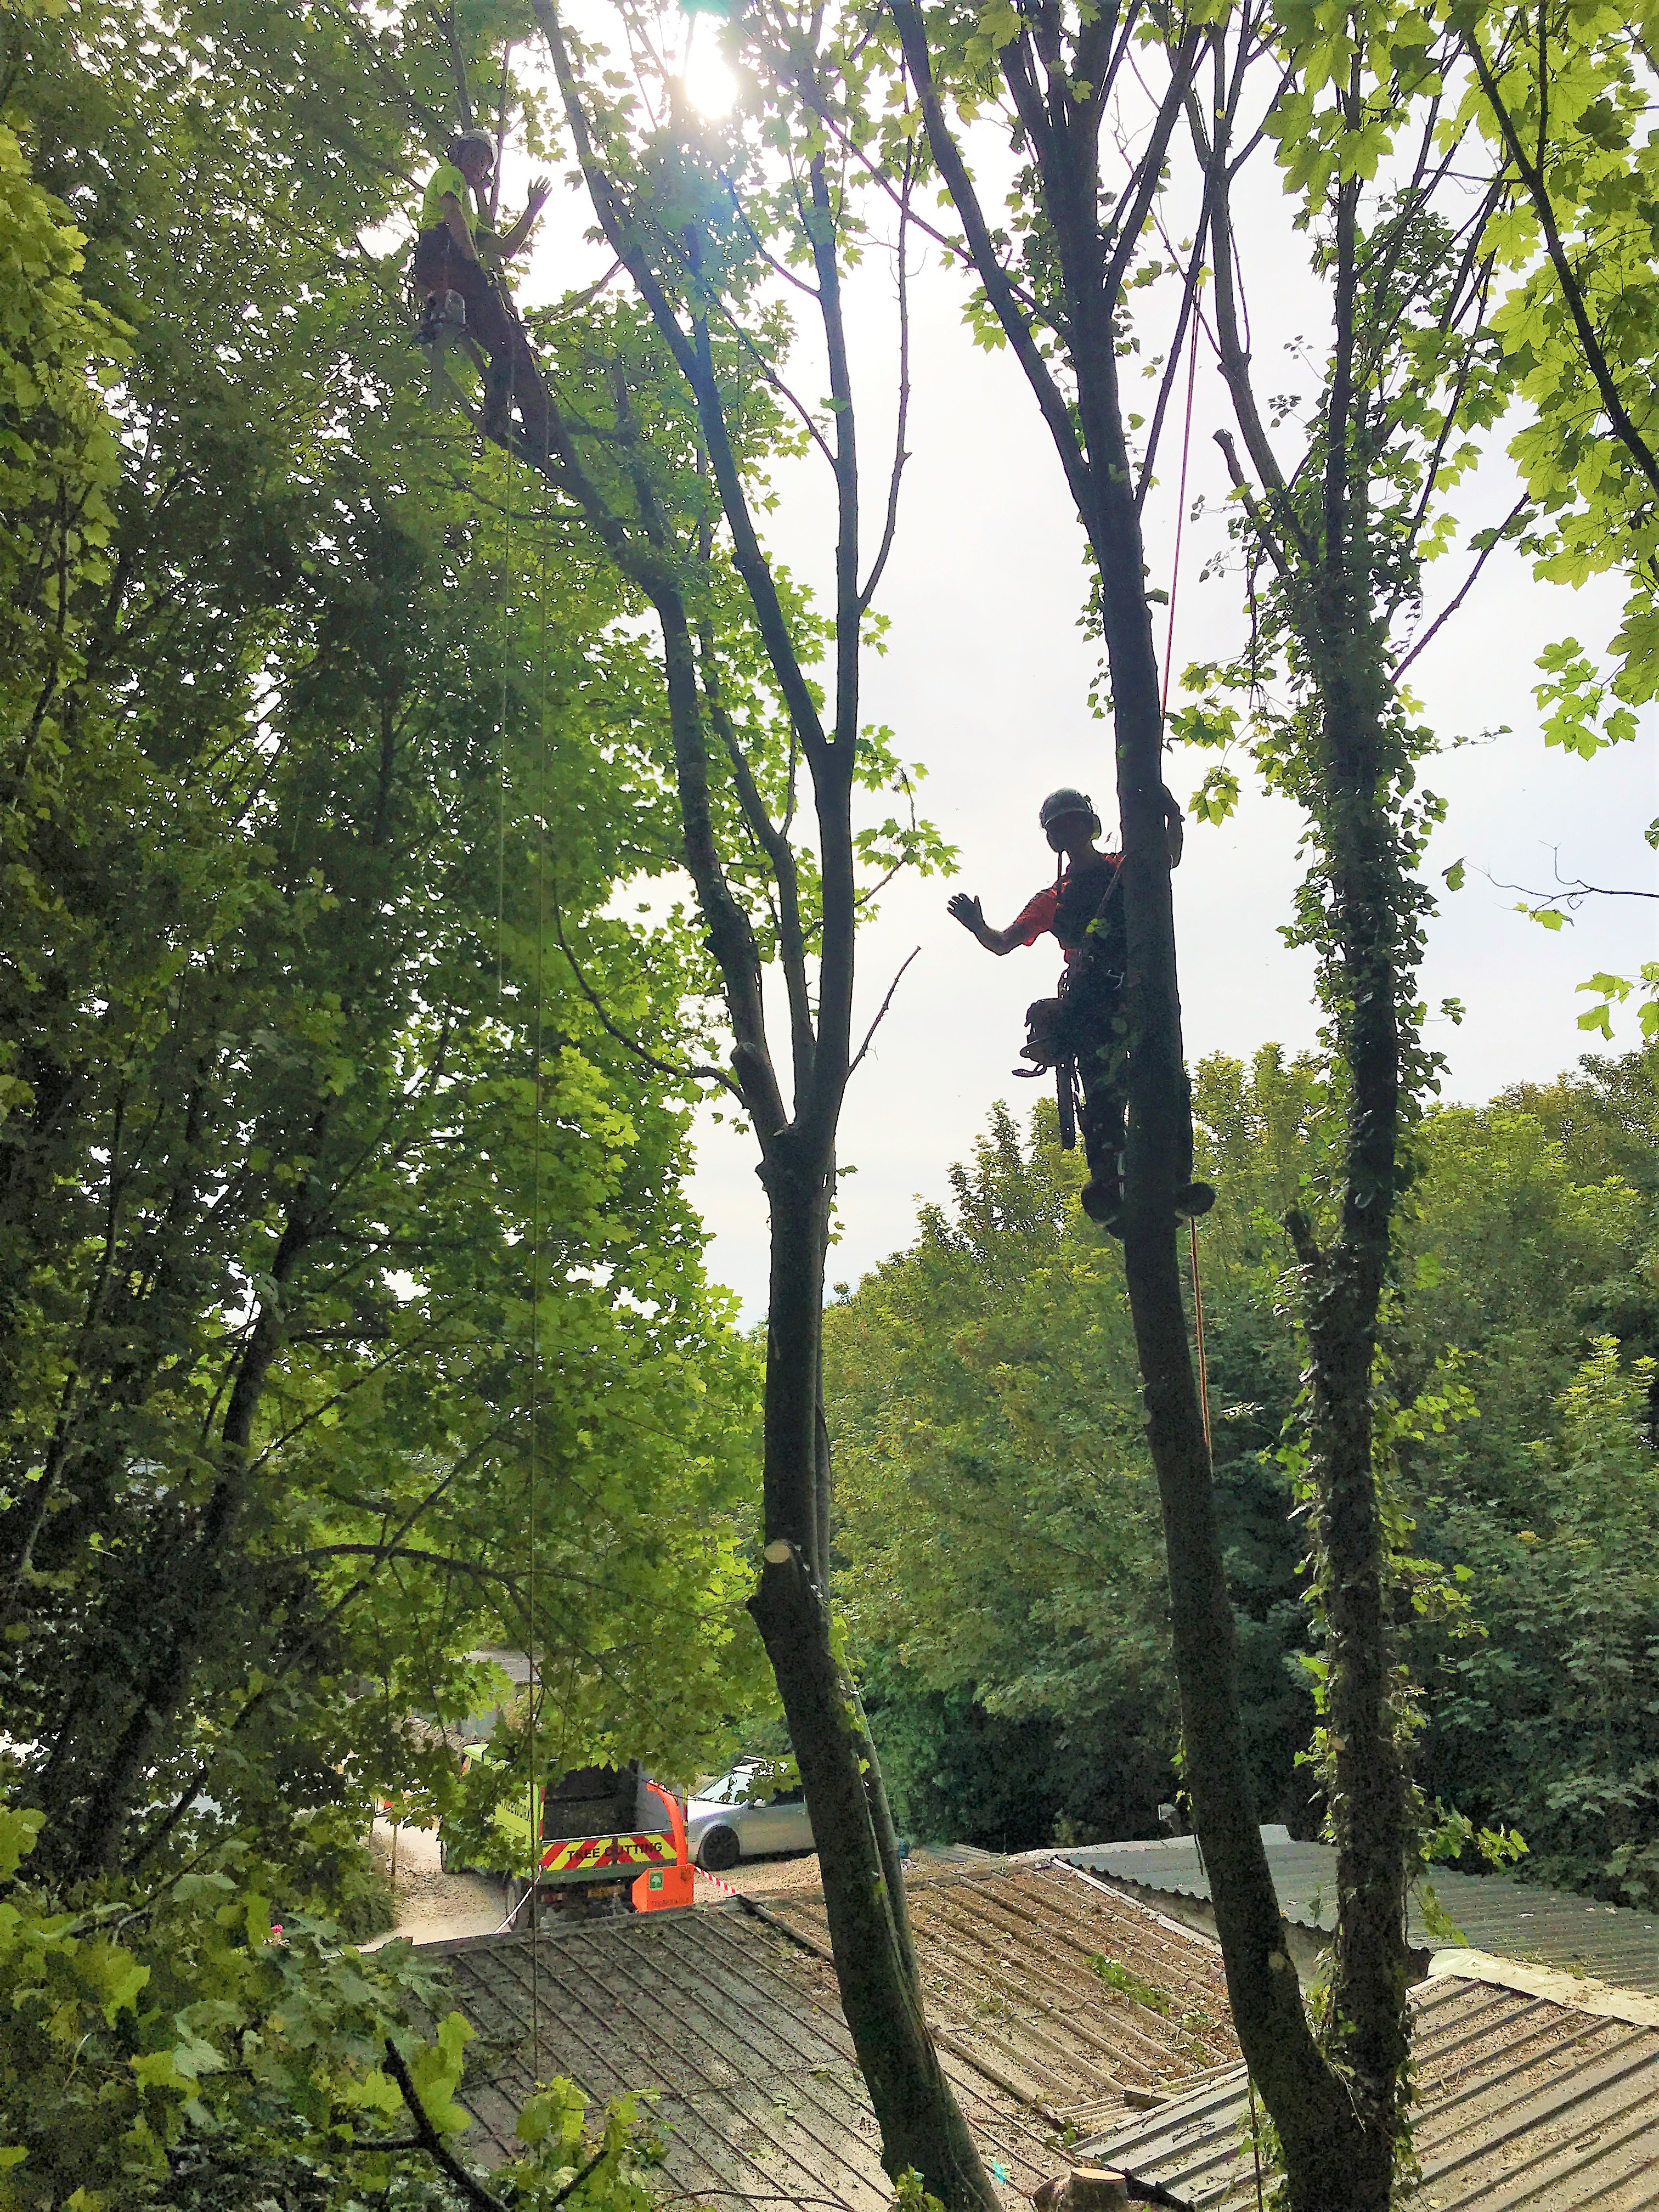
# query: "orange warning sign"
575,1857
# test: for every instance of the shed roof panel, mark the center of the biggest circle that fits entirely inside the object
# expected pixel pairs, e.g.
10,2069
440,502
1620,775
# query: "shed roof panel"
731,2014
1521,2102
1516,1920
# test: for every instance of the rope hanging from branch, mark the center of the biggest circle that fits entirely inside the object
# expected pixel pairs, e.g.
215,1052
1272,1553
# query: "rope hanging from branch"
1164,708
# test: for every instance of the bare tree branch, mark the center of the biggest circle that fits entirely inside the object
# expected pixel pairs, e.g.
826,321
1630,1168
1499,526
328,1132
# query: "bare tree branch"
880,1014
999,289
1172,364
1571,893
681,1074
775,843
1151,164
445,19
1453,605
626,232
433,2144
1241,485
900,456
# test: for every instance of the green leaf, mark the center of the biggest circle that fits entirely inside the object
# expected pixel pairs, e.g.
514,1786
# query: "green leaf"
114,1976
18,1832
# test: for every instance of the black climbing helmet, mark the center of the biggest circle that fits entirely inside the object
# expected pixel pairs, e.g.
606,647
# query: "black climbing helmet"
464,139
1067,801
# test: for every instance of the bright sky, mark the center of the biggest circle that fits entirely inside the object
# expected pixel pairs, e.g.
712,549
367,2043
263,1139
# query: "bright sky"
985,682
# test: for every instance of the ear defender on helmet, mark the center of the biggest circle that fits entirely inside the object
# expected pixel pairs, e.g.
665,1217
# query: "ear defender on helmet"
1067,801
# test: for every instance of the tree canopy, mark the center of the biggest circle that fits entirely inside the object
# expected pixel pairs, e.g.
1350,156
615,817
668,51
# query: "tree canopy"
404,826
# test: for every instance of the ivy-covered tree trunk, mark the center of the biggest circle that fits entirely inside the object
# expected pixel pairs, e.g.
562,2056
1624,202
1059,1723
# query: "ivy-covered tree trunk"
1366,1794
1341,571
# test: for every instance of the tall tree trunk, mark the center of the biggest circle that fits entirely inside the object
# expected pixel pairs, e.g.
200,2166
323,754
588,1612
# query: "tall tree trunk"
1368,1795
1330,592
921,2125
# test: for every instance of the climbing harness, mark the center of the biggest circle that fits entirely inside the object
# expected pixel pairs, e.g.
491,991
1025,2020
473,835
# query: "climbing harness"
442,330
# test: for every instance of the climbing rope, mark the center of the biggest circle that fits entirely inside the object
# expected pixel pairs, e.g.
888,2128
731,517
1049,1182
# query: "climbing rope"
501,779
535,1257
1162,709
1181,519
532,1639
1197,1318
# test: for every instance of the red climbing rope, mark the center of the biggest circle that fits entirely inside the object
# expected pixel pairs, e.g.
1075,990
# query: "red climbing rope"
1162,706
1198,1317
1181,517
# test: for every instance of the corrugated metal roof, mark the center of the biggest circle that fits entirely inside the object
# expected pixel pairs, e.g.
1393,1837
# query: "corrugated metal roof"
1521,2102
735,2025
1512,1919
731,2012
1005,1960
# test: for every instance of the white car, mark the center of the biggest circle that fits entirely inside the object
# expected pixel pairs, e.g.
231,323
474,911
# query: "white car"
724,1823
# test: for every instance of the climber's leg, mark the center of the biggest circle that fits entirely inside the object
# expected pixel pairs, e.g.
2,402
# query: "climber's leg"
1102,1122
440,269
531,395
1192,1198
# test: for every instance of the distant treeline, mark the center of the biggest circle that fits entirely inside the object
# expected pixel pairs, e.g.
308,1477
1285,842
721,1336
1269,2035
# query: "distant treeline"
998,1523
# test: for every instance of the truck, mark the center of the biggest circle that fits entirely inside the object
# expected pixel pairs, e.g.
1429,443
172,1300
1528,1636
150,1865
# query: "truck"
609,1839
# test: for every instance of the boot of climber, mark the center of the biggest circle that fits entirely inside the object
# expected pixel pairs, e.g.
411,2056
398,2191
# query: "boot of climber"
457,251
1083,909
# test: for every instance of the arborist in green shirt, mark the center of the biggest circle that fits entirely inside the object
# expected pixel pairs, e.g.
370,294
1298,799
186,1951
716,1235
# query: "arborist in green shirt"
457,253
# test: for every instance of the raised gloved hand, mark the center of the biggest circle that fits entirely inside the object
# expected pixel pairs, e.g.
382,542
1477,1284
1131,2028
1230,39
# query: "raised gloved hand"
967,910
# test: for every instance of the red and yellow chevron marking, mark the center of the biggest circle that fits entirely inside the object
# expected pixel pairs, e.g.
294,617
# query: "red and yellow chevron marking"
571,1857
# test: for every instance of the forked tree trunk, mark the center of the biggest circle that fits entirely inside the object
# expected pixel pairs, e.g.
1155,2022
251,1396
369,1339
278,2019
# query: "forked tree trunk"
922,2125
1323,2141
1329,2151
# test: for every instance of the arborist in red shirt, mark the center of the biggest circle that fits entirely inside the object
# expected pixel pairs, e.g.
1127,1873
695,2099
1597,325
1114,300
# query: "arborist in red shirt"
1082,1029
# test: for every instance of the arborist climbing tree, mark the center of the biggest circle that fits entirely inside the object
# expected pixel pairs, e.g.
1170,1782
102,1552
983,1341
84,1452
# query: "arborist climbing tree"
1081,1032
459,272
